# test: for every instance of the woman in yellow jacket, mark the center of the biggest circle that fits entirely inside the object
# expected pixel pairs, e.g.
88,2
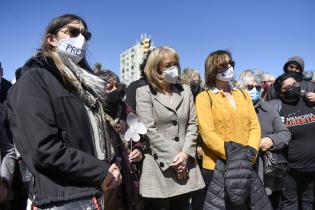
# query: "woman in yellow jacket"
224,113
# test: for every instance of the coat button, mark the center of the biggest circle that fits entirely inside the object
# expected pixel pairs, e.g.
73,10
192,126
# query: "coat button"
176,138
155,156
174,122
161,164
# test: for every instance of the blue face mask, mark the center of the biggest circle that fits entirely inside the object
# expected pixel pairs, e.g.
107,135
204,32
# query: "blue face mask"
254,94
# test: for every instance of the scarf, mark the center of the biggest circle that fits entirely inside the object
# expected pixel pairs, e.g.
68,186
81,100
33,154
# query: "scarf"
91,90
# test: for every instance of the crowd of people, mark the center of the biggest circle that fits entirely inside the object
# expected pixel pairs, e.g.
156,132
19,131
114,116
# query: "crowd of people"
75,139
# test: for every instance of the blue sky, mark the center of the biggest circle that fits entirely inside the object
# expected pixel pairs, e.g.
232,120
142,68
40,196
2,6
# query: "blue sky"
260,34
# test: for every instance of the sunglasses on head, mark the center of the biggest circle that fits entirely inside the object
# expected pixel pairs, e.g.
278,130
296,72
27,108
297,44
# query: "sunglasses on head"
75,32
250,87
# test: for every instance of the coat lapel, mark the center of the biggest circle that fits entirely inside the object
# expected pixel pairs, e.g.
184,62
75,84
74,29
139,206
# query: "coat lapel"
172,102
177,98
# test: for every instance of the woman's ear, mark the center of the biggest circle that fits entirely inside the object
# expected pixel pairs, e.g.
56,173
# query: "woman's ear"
51,39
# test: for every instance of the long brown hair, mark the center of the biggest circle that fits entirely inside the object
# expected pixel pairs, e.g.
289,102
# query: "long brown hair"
47,50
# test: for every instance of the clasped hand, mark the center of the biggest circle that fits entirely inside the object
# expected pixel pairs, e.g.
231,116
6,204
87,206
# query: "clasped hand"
265,144
180,165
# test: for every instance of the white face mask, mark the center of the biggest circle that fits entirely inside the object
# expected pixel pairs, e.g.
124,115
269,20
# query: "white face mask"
74,48
170,75
227,75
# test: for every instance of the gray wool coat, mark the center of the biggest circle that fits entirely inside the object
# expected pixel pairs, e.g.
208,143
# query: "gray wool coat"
272,127
172,128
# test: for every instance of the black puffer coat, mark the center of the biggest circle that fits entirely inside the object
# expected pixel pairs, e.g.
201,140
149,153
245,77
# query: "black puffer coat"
235,184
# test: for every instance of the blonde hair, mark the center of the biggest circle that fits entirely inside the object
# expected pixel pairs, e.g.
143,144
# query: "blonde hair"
153,70
212,63
248,77
188,75
268,76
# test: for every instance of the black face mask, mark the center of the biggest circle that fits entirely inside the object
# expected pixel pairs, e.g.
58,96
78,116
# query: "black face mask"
299,75
114,98
195,89
292,94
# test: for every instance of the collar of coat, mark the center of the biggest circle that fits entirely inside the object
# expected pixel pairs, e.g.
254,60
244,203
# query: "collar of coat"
164,99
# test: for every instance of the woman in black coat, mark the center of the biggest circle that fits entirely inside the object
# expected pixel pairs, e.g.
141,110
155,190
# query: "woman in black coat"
56,112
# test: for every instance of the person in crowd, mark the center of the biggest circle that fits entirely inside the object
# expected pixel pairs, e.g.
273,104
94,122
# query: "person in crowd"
7,163
192,78
295,65
245,73
166,107
7,152
298,115
225,114
126,196
56,117
267,81
133,86
4,86
274,135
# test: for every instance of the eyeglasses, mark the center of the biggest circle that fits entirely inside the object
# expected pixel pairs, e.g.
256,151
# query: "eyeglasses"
224,66
250,87
75,32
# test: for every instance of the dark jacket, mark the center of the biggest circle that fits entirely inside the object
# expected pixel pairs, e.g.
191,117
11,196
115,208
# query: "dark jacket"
7,152
272,125
131,92
4,87
235,184
51,131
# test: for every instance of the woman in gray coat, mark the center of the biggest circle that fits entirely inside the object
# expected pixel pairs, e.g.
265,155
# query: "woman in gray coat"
274,134
166,108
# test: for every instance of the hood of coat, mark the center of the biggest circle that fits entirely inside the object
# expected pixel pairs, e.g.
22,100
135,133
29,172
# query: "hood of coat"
296,60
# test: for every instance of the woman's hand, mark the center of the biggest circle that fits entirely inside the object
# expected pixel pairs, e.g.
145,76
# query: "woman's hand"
112,179
265,144
183,174
310,97
135,156
180,161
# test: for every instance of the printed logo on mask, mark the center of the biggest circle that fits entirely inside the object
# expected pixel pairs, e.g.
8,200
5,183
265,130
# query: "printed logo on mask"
75,51
74,48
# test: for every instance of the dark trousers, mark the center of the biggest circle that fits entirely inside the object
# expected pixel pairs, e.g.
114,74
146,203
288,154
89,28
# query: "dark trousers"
198,197
275,199
180,202
298,191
